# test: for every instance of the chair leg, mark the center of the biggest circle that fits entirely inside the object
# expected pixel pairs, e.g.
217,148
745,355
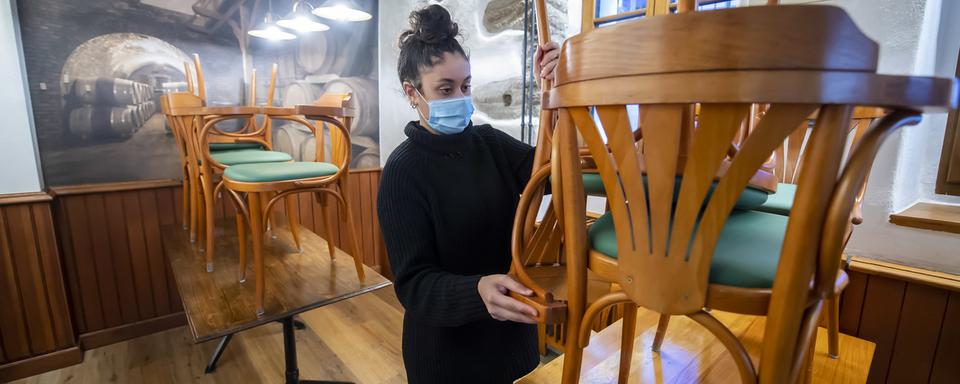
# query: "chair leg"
661,332
256,229
194,207
748,374
292,220
201,219
208,202
542,339
267,217
833,326
242,243
185,201
354,239
627,340
328,225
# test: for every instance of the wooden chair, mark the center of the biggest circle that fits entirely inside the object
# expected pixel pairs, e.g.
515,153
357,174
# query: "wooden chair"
257,181
786,165
537,256
798,59
251,144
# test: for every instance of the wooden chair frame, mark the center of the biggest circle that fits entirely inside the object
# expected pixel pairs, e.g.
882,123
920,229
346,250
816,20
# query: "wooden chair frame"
729,84
257,203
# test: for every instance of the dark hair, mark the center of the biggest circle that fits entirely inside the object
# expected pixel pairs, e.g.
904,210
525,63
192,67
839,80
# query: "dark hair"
431,34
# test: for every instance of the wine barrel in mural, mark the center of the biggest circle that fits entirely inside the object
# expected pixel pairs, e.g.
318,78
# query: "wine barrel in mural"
364,100
91,122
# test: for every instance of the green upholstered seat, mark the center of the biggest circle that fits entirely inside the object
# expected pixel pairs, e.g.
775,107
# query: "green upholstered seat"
780,203
746,254
593,184
264,172
228,146
247,156
751,198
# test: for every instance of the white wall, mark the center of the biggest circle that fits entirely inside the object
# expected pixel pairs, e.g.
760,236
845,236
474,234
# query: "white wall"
19,171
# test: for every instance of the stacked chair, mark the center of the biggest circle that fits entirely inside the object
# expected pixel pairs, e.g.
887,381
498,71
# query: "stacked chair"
207,152
685,230
264,184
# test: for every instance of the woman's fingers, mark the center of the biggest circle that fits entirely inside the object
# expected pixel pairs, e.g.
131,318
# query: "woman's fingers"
513,305
551,55
509,283
547,71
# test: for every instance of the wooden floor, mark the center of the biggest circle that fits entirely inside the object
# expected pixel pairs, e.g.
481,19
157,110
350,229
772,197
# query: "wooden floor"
359,340
690,354
355,340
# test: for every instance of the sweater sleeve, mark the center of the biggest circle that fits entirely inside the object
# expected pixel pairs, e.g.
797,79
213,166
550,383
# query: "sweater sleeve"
428,293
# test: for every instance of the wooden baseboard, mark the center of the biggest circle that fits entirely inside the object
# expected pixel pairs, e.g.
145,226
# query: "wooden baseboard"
905,273
39,364
129,331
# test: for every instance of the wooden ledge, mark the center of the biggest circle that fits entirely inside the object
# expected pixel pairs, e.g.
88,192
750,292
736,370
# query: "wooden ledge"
932,216
24,198
113,187
905,273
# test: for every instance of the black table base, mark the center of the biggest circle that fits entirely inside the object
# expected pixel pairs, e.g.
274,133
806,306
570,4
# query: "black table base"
292,372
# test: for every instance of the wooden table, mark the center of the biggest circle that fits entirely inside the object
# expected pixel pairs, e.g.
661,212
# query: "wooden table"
217,305
691,354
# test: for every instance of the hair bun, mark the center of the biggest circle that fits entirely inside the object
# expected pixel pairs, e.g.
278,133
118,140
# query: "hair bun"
430,25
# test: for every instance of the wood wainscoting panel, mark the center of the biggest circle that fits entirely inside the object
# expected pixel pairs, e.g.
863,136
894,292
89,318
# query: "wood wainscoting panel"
115,267
34,315
914,321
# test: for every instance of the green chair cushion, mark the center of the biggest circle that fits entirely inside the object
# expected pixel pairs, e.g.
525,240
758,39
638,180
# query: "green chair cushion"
751,198
746,254
780,203
227,146
593,184
264,172
247,156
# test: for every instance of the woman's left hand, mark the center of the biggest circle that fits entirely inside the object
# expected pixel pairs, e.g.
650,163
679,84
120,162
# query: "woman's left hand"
545,60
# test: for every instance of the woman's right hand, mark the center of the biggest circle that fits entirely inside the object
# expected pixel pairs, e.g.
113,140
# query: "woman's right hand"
495,292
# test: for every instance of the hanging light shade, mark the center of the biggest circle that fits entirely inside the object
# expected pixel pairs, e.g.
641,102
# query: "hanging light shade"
301,20
270,31
342,10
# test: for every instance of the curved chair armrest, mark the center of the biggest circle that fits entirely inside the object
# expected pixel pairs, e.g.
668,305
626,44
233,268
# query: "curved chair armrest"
845,194
209,126
549,310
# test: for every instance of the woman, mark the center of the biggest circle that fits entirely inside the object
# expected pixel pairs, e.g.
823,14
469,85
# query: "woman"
447,200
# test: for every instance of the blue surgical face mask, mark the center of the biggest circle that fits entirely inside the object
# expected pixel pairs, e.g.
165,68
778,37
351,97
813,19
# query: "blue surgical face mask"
448,116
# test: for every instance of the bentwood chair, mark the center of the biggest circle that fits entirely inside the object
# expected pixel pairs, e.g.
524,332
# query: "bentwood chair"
251,144
787,161
259,181
674,240
537,255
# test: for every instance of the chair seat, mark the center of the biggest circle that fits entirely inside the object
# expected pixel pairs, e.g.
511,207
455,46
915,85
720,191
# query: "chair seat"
746,254
780,203
229,146
751,198
265,172
248,156
593,184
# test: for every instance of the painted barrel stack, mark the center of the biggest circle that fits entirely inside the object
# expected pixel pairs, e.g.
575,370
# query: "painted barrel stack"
108,107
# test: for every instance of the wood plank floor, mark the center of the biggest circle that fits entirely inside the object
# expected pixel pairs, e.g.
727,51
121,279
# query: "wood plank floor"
690,354
359,340
355,340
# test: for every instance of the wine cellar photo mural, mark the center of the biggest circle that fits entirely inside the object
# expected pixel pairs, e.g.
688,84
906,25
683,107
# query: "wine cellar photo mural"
96,69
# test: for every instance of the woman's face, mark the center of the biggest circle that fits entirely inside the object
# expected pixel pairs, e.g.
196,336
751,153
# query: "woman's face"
448,78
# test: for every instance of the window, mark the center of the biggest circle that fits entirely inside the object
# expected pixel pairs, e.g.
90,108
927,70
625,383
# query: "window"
614,11
948,177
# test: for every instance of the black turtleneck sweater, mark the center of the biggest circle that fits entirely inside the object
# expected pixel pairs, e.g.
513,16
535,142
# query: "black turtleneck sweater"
446,208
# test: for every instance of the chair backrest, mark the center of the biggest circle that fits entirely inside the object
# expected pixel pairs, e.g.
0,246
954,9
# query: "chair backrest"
797,59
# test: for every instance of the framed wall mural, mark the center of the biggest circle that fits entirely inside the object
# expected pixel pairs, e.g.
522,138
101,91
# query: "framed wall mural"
97,67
